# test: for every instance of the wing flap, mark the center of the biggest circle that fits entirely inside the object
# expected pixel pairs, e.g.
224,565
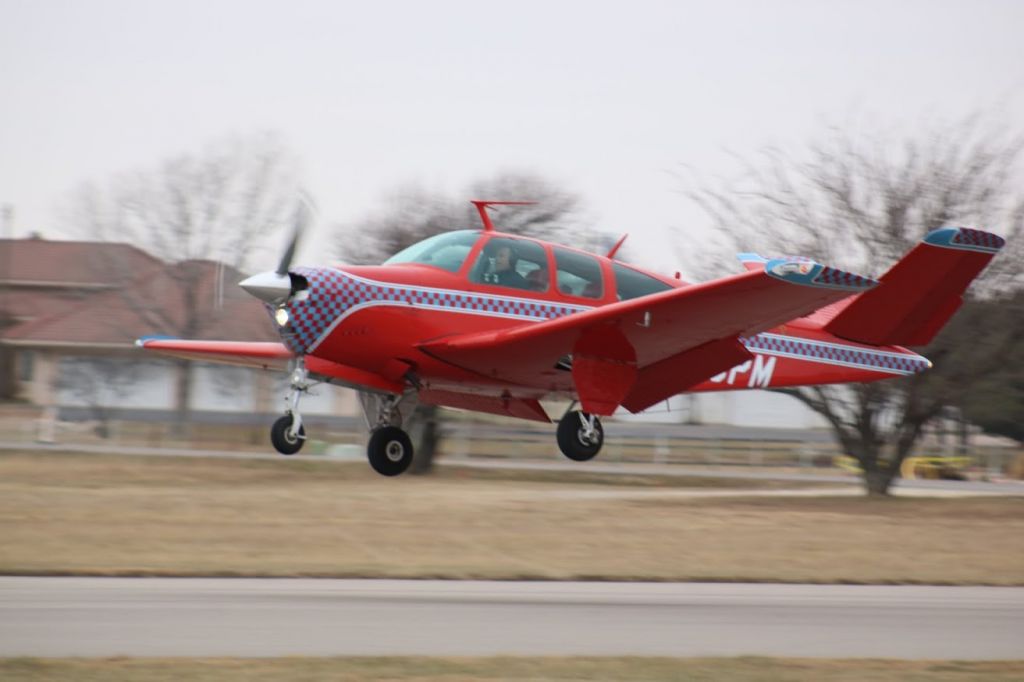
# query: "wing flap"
523,408
674,375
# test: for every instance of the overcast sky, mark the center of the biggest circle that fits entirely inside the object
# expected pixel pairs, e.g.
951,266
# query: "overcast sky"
605,98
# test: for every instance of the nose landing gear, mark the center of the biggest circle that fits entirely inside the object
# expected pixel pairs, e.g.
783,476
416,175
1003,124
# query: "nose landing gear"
288,434
286,440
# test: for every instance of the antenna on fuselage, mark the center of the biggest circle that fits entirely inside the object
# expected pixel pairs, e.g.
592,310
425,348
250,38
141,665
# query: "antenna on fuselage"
482,207
615,249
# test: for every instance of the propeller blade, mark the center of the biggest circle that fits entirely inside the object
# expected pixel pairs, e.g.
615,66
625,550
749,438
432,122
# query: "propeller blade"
303,216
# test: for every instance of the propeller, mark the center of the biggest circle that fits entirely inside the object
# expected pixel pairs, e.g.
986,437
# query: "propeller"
303,216
279,286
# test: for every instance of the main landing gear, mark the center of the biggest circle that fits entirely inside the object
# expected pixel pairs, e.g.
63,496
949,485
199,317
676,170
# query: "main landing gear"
580,435
288,434
389,448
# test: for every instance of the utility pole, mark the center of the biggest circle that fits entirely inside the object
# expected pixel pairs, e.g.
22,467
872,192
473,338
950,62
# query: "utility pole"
6,318
7,223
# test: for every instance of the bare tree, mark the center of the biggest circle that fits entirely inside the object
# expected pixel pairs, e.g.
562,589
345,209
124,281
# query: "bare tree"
219,204
861,203
411,215
990,333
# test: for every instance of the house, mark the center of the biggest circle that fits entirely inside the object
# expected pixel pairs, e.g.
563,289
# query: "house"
70,313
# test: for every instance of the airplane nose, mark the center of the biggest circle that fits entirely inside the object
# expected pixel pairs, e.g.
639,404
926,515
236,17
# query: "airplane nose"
270,287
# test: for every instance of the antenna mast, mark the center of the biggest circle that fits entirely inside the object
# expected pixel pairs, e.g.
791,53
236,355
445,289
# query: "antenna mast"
482,207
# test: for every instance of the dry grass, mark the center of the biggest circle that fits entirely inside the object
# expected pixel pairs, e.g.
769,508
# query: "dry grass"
112,515
746,669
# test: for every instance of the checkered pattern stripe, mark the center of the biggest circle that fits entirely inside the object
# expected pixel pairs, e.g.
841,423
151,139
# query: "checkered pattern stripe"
836,354
335,294
834,277
977,239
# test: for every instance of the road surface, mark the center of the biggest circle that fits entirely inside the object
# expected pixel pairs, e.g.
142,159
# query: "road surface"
268,617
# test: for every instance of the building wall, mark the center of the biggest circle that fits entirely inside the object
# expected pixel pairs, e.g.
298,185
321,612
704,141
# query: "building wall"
128,383
733,408
131,383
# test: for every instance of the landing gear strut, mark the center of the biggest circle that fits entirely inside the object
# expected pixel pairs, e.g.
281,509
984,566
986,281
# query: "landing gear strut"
580,435
288,434
389,448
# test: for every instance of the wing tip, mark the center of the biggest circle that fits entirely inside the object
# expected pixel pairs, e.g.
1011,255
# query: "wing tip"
965,239
810,273
143,340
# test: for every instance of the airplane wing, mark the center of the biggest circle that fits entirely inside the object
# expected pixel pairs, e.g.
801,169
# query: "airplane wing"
640,351
261,355
269,355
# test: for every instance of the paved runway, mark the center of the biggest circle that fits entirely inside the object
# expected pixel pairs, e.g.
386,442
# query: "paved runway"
268,617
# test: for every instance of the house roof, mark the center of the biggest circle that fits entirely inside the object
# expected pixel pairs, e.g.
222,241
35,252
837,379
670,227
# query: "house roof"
47,263
40,277
23,305
194,299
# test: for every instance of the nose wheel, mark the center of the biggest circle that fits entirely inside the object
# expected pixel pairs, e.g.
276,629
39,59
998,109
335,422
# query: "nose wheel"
580,436
285,440
288,434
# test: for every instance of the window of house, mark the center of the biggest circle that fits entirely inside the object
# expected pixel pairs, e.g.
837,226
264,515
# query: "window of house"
579,274
26,365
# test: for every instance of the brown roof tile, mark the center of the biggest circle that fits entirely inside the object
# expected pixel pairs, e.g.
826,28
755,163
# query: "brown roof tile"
156,303
65,263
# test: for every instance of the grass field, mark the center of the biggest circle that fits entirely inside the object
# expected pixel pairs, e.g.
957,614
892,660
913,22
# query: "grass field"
120,515
747,669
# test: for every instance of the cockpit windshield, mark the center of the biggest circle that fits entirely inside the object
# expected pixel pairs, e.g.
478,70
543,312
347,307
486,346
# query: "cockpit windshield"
447,251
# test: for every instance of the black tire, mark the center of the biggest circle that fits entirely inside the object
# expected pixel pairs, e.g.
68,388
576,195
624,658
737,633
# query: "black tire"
389,451
572,442
283,442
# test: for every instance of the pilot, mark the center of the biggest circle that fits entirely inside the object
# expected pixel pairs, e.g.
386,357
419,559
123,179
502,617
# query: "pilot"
505,272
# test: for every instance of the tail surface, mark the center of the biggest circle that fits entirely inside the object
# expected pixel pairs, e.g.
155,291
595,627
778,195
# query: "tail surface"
919,294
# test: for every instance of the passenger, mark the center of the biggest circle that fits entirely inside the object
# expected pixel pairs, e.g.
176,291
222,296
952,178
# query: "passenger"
537,279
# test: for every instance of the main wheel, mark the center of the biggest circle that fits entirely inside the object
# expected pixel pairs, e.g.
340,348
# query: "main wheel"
573,440
280,436
389,450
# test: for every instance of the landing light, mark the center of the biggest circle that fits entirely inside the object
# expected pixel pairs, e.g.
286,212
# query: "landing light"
281,316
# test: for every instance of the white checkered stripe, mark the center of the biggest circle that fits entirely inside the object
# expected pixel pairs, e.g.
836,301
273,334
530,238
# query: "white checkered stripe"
335,294
836,354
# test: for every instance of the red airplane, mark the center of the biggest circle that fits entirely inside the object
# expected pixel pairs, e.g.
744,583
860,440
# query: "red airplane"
494,322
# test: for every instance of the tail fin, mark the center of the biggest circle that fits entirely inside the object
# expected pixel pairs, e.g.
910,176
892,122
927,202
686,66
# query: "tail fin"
919,294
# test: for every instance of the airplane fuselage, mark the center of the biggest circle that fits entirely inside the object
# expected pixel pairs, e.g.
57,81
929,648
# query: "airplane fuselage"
376,319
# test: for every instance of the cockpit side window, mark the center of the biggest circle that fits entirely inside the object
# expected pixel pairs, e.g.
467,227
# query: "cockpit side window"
514,263
447,251
630,283
579,274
